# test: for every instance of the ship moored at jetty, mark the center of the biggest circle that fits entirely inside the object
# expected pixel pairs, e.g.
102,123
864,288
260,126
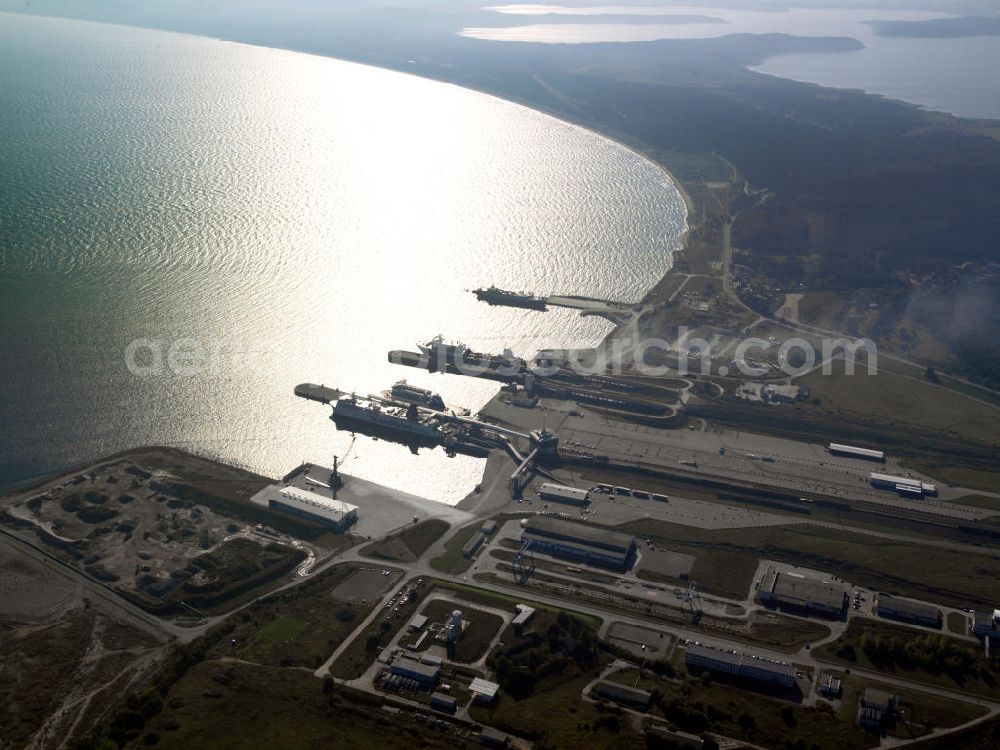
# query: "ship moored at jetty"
371,417
405,393
438,348
381,417
496,296
441,353
411,394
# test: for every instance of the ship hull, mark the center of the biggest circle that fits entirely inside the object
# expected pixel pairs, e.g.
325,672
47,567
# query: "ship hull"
513,300
352,418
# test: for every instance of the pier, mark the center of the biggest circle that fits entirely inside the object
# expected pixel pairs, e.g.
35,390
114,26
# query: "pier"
616,312
320,393
620,395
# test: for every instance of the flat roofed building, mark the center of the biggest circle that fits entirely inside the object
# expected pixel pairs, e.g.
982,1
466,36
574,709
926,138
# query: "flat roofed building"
524,614
443,702
493,738
619,693
472,546
417,623
903,485
831,686
737,664
894,608
839,449
425,674
795,591
588,544
875,707
483,691
560,493
986,625
312,505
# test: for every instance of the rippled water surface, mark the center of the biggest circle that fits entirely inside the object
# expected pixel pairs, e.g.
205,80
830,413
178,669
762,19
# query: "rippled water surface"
291,218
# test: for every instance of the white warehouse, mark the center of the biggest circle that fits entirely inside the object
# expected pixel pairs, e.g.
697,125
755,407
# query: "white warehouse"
313,506
560,493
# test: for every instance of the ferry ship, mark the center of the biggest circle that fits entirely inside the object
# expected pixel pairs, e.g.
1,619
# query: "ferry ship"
439,351
495,296
508,360
411,394
447,351
371,418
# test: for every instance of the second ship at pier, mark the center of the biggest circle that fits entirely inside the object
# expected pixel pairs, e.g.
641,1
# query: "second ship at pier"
496,296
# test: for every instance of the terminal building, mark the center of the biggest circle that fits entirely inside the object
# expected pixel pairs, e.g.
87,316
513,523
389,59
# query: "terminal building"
560,493
905,610
903,485
312,506
736,664
797,592
586,544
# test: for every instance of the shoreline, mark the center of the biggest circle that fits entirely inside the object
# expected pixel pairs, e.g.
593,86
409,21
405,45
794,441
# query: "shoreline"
18,486
34,483
636,149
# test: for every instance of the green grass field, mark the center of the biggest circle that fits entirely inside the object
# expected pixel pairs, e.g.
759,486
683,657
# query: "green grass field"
284,628
938,575
980,501
904,402
409,544
786,633
557,714
963,667
453,561
920,712
298,627
357,657
236,706
554,714
34,670
697,705
482,627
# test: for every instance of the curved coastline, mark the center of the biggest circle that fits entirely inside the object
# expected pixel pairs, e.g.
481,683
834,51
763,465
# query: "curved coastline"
594,155
689,205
